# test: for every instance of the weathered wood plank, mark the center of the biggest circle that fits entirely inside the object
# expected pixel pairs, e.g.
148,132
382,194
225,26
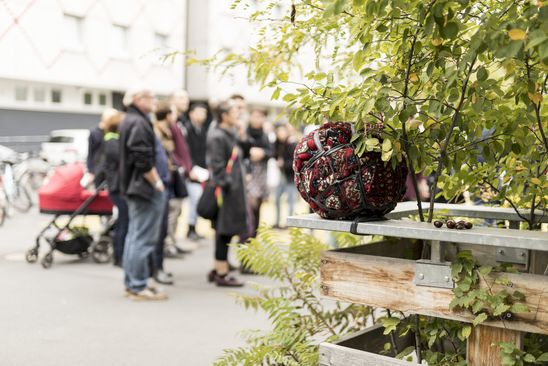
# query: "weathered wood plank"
481,349
509,238
334,355
363,348
388,283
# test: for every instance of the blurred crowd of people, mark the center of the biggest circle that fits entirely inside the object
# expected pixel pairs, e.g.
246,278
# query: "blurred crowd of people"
155,154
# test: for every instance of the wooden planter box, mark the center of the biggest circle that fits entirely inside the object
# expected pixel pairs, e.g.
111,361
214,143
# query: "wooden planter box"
390,275
363,349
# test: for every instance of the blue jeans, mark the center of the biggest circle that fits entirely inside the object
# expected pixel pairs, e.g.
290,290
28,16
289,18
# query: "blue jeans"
120,227
289,188
144,229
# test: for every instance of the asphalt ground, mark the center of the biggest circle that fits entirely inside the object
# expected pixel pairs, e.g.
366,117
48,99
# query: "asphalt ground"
75,313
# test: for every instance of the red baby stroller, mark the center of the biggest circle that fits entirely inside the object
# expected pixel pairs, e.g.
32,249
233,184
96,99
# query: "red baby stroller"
63,195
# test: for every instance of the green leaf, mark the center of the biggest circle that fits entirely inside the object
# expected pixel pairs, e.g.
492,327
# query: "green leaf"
466,331
529,358
519,307
479,319
543,357
482,74
450,30
500,308
276,94
485,270
390,324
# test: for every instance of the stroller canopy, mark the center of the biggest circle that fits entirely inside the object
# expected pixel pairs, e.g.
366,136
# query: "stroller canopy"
63,193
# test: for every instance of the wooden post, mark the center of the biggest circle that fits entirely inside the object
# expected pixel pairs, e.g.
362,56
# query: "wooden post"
481,348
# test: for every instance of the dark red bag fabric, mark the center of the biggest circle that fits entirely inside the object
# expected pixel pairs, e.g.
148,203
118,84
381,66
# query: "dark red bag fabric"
339,185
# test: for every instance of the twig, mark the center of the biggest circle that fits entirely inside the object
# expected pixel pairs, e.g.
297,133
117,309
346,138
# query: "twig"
445,143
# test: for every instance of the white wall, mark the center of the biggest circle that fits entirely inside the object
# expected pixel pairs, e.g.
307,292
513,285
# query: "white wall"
40,49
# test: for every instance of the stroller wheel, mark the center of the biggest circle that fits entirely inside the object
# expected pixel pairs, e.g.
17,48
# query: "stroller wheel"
47,260
83,255
101,252
32,255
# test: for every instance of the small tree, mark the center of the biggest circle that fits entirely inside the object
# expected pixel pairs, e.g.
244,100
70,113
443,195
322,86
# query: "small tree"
300,321
458,85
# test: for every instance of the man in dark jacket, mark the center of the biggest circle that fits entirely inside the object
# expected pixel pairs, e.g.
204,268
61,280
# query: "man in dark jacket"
144,192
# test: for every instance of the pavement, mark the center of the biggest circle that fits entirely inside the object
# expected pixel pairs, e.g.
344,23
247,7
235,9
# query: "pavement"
75,313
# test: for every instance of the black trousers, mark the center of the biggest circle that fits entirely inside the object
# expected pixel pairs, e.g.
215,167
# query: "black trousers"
221,246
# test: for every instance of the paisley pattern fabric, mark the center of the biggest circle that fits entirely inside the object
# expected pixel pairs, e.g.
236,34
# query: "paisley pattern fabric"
339,185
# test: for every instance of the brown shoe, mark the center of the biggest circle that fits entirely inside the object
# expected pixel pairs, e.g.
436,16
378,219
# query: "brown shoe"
147,294
211,275
227,281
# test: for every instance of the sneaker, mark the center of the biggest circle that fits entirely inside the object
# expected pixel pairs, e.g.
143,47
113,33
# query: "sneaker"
165,278
147,294
171,252
182,251
227,281
194,236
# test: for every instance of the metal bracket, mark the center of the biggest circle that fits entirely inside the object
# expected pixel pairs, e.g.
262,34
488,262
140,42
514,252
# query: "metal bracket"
433,274
512,255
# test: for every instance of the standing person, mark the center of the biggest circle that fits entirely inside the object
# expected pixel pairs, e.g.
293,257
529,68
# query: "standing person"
260,151
165,147
144,192
224,158
196,137
284,148
181,156
109,171
95,143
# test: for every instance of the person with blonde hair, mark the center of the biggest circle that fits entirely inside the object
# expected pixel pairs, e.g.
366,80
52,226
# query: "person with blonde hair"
95,142
107,171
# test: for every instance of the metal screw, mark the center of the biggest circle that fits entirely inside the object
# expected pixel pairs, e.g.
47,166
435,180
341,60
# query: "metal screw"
446,278
421,276
522,254
501,251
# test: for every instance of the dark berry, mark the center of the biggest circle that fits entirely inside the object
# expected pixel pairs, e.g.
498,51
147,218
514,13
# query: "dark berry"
438,223
450,224
459,226
468,225
461,222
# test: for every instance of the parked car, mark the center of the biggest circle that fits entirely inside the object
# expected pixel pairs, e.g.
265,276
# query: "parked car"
65,146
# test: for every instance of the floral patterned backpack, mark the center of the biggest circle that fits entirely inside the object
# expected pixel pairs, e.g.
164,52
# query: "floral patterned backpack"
337,184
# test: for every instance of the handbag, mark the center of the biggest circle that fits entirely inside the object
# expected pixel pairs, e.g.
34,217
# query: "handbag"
212,196
179,186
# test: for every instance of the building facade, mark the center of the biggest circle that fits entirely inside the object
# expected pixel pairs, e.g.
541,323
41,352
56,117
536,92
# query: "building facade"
65,61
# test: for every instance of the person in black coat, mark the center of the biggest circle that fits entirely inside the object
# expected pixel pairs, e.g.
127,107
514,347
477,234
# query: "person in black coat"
224,159
107,170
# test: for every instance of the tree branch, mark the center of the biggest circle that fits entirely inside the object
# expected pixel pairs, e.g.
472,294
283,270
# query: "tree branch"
445,144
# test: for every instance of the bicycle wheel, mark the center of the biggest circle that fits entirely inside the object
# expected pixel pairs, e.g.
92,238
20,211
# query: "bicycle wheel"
21,200
2,214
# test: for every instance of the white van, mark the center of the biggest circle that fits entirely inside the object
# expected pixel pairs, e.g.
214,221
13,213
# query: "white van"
65,146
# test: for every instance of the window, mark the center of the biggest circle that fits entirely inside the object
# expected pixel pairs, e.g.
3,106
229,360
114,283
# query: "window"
119,40
160,40
21,93
72,35
102,99
88,98
56,96
39,95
